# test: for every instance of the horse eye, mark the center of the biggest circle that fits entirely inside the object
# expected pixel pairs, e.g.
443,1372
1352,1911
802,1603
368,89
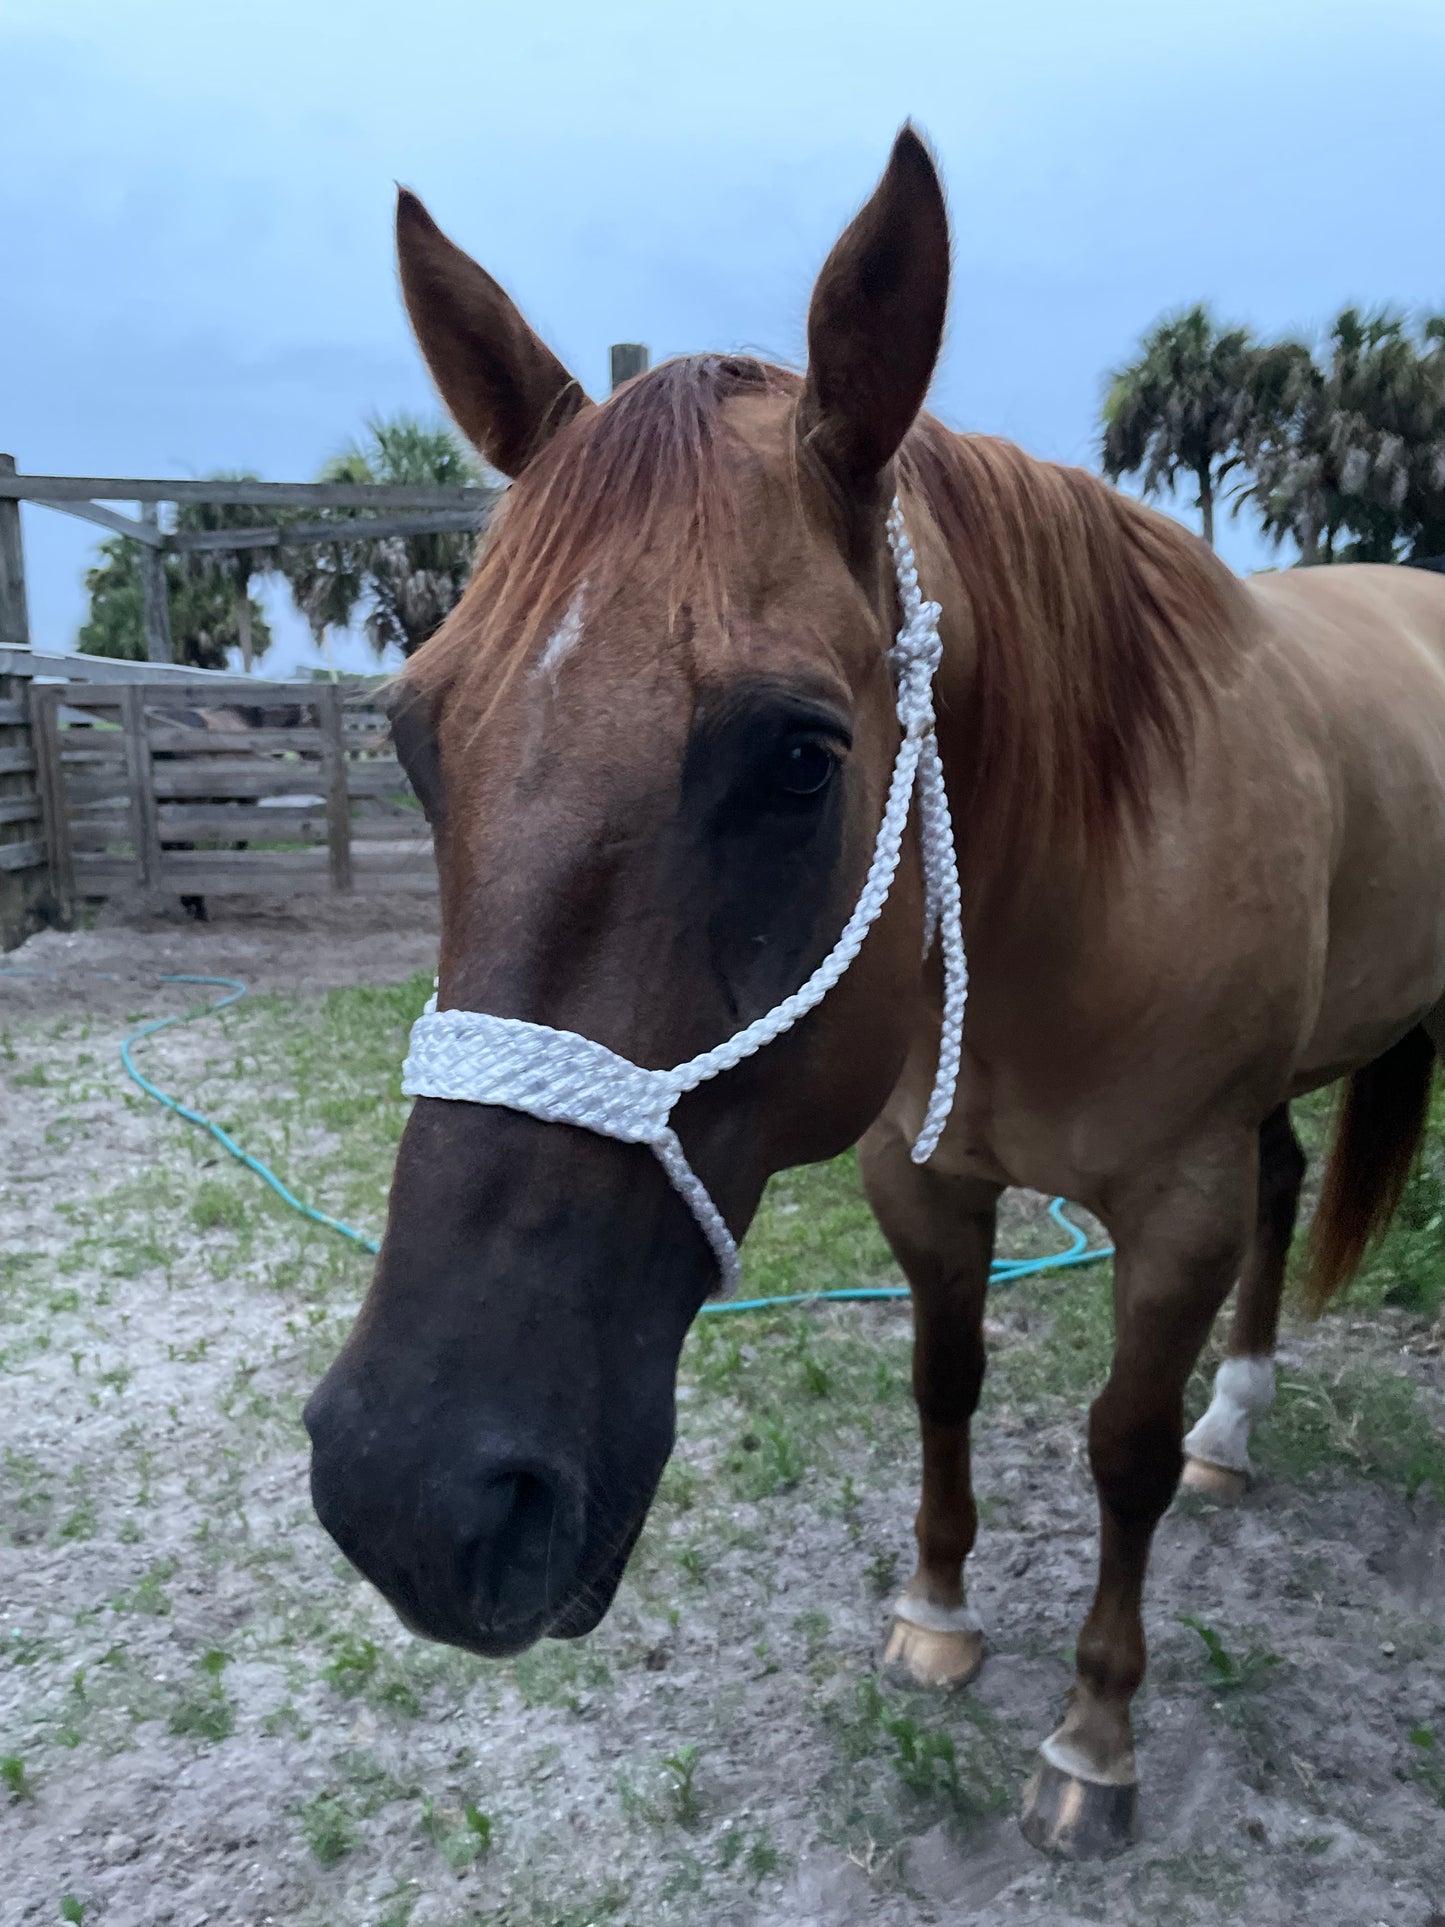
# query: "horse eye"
805,768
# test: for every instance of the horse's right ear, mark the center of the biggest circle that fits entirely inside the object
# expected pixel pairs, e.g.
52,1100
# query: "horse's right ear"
875,324
505,387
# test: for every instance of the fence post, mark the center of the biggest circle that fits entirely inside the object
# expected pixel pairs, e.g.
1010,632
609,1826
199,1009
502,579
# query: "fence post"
338,796
54,806
629,358
140,773
153,589
14,609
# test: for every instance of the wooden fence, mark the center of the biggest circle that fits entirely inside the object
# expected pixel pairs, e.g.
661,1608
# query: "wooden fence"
154,787
23,875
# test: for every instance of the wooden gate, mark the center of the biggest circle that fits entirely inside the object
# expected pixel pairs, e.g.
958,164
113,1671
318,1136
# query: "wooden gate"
148,787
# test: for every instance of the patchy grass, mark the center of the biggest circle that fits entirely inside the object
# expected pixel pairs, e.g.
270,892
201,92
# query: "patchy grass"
723,1726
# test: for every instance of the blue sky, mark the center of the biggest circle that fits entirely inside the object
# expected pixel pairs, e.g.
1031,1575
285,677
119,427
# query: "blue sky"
195,200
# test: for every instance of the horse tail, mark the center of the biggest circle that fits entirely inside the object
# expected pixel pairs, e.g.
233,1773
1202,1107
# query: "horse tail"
1377,1139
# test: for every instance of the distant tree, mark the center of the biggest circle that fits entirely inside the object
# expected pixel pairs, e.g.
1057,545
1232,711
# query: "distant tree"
402,588
1182,409
205,615
233,568
1352,468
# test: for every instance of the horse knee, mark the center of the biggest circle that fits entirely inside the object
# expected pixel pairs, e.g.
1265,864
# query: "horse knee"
1136,1458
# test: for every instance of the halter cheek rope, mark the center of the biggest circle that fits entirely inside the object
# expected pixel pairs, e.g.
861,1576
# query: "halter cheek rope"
561,1078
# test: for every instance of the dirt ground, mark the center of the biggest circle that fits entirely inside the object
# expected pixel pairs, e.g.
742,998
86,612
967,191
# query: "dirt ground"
206,1717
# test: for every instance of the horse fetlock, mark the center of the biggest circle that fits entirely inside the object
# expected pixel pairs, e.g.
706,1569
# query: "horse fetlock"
1242,1388
932,1645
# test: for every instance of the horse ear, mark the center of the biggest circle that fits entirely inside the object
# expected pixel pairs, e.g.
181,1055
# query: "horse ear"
507,390
875,323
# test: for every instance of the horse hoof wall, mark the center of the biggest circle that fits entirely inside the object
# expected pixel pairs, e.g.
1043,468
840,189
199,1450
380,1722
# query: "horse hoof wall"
1217,1482
1075,1819
920,1656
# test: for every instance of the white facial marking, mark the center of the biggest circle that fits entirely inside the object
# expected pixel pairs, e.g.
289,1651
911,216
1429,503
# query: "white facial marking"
1242,1387
562,641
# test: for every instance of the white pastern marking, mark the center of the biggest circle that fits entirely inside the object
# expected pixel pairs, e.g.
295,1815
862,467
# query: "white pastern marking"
1242,1387
562,641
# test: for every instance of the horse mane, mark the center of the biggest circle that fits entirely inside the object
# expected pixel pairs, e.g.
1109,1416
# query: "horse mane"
1102,630
1100,627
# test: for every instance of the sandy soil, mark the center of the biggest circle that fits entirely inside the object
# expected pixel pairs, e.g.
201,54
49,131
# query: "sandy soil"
212,1720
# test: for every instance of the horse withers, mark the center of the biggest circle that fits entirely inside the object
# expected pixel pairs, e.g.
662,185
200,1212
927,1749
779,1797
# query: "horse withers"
1200,832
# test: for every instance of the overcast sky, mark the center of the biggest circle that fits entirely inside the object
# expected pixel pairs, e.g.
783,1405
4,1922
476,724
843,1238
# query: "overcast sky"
195,200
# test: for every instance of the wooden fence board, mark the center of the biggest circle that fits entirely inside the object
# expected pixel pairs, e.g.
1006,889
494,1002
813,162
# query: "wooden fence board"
17,761
22,856
19,809
146,780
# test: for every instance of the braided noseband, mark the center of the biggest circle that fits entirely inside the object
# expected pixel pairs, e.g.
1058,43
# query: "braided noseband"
562,1078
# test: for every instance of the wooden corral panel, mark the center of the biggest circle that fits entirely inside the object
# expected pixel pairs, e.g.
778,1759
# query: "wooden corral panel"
23,882
295,793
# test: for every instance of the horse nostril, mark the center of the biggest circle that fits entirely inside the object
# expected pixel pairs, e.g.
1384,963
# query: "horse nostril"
525,1553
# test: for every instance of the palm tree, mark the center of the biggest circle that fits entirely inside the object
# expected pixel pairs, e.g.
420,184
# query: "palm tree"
1182,408
1352,465
235,568
403,587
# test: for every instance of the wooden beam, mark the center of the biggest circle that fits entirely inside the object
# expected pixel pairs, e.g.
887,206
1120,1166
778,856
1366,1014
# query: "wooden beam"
16,762
12,712
141,784
171,682
127,525
405,867
156,594
55,808
22,856
338,799
14,609
19,809
368,527
334,495
629,358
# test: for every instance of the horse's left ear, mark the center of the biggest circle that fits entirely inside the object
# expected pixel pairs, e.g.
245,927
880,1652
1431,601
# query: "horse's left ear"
875,324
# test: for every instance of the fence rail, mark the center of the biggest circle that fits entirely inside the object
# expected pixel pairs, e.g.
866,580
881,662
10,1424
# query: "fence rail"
145,794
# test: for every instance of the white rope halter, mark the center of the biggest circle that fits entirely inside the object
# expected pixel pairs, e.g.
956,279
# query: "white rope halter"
561,1078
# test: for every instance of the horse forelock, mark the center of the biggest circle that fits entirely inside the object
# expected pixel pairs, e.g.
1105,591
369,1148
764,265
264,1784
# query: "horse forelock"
1099,627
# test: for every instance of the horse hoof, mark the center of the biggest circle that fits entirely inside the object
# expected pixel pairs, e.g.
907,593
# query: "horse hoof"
1075,1819
1217,1482
922,1656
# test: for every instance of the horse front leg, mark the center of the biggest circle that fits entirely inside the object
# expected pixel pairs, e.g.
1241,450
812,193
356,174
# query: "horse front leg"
941,1230
1180,1236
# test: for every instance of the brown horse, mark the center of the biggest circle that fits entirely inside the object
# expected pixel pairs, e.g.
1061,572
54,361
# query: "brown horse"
1201,832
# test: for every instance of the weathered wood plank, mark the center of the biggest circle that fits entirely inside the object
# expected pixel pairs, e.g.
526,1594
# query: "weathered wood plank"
155,593
224,780
628,359
179,740
140,782
12,711
14,607
372,528
19,809
192,822
17,760
22,856
262,873
338,802
127,525
339,495
44,702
